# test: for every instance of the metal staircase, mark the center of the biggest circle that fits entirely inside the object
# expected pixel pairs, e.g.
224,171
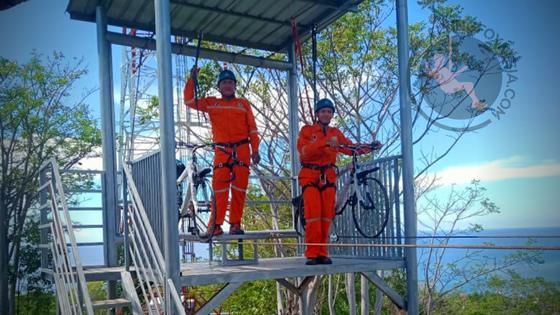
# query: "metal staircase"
68,274
147,257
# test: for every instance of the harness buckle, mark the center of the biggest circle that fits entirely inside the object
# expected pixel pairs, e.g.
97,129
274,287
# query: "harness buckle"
323,178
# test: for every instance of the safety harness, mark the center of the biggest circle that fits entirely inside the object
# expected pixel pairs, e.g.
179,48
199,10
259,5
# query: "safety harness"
322,178
232,160
298,200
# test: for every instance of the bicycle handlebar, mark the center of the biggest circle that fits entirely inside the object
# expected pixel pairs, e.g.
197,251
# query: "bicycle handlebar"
194,146
356,147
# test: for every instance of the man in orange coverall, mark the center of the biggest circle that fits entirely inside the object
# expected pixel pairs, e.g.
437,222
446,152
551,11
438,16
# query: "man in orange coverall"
318,146
233,130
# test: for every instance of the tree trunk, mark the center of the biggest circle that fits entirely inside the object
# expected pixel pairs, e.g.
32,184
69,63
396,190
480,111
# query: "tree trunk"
279,299
279,253
378,297
311,294
14,279
351,293
364,305
331,297
4,260
378,302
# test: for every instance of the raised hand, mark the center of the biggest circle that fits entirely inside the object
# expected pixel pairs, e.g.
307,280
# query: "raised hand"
256,157
194,72
333,142
376,145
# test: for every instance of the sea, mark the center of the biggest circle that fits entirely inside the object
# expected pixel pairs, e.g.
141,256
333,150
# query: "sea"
548,266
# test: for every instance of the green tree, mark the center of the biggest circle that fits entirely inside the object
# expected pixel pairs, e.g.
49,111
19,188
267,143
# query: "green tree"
357,68
506,294
38,120
452,216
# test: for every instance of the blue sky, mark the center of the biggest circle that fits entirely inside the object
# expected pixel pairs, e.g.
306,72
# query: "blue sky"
517,158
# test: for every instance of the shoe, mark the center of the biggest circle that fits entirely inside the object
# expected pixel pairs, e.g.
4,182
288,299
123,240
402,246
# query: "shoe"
235,229
324,260
214,230
311,261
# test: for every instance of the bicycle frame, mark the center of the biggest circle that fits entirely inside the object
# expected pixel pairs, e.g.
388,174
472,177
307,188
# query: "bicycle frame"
192,205
350,186
364,194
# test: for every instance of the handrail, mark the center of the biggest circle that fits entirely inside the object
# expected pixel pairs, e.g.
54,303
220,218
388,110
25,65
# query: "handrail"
146,254
71,285
343,228
175,297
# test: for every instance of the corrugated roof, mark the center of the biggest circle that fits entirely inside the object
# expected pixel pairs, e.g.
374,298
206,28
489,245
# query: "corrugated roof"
258,24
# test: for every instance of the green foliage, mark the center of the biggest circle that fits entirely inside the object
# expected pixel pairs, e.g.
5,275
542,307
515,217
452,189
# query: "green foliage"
30,262
34,119
149,112
36,303
39,119
453,215
97,291
508,294
253,298
357,68
208,78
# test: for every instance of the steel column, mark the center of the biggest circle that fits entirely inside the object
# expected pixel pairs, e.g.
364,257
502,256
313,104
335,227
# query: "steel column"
408,163
109,177
167,146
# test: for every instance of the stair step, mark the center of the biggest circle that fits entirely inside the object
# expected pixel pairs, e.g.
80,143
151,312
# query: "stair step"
96,273
103,273
249,235
107,304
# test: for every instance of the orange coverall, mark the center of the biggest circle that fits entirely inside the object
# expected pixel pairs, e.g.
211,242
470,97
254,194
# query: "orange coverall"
319,190
232,123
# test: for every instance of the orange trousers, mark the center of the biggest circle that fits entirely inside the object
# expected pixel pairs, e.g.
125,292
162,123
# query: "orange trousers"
318,212
222,184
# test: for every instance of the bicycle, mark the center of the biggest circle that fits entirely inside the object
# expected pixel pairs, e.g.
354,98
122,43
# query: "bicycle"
365,194
199,197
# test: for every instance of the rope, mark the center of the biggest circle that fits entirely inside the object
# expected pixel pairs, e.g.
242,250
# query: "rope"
475,246
314,58
298,52
457,236
501,247
195,78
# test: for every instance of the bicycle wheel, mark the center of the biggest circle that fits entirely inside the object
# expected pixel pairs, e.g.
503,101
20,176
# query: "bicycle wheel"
205,200
371,214
350,202
298,215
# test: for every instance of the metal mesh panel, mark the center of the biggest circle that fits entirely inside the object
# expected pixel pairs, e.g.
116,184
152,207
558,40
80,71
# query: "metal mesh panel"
146,173
343,226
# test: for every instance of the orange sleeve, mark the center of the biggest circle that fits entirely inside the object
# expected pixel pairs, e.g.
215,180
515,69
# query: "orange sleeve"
252,125
188,97
307,149
343,140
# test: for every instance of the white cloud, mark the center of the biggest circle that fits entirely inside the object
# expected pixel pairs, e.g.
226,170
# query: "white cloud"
513,167
93,161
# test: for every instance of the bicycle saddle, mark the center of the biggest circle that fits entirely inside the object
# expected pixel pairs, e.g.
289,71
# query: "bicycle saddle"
198,178
361,175
204,172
